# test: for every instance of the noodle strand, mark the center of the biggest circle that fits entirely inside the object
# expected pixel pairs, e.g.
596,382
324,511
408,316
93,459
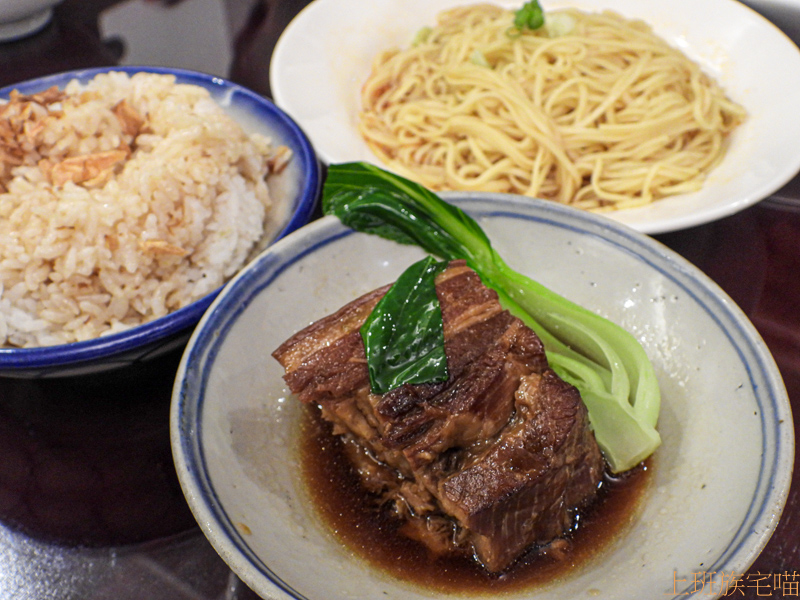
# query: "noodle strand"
605,116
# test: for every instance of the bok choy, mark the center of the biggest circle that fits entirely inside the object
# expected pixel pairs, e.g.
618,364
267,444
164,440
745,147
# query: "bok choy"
605,362
404,335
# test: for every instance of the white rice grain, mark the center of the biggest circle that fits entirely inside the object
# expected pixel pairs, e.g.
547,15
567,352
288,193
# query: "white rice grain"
176,219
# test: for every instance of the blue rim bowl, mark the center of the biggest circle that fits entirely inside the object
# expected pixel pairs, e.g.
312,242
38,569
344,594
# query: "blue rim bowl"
718,482
172,331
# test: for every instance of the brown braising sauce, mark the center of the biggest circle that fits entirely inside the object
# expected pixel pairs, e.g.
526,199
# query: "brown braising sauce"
372,533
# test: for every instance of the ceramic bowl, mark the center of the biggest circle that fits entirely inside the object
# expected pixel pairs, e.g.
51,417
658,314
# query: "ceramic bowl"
295,191
717,484
21,18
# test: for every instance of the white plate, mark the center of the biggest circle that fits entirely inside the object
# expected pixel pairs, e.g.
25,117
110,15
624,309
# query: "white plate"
324,56
719,480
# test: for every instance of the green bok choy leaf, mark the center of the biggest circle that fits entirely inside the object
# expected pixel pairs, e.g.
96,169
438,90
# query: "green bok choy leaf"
605,362
403,335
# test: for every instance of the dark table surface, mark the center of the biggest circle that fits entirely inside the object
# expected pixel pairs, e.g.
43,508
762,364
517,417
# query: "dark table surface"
90,505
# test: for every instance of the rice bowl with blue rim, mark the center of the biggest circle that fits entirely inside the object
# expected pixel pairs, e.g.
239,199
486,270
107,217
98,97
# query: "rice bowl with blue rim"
292,192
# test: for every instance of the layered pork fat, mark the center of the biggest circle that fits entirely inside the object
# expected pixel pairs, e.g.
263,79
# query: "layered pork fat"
492,461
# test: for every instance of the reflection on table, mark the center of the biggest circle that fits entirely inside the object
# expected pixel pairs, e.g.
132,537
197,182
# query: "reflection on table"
230,38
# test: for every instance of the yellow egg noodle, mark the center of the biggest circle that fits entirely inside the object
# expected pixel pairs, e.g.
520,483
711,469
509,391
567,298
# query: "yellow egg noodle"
592,110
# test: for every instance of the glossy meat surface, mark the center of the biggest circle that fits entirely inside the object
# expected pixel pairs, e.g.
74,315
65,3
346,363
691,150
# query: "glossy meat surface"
492,461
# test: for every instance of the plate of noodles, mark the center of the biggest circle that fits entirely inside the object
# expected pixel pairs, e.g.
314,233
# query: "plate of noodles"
660,115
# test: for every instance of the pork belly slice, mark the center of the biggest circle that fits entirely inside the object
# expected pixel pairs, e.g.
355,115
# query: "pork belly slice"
493,461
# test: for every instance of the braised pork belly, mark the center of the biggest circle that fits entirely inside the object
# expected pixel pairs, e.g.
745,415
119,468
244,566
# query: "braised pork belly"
493,461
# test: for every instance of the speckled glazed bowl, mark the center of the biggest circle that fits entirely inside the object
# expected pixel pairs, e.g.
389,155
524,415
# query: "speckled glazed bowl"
718,482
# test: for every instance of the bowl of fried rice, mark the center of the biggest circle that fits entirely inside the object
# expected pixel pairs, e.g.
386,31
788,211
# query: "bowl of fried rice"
128,197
